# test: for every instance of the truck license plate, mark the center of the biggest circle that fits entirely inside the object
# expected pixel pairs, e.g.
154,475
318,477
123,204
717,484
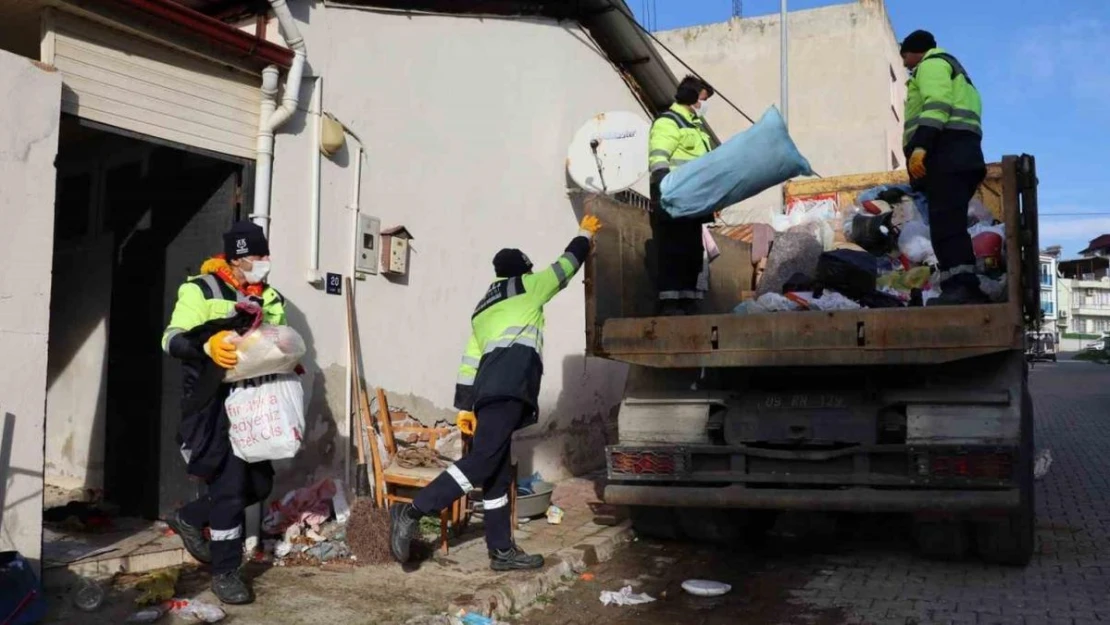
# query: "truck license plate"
800,401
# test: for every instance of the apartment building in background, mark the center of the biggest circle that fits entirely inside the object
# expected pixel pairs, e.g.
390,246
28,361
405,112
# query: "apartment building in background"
1083,290
846,80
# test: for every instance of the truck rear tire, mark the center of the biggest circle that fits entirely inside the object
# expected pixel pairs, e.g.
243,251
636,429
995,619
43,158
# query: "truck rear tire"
1012,539
655,522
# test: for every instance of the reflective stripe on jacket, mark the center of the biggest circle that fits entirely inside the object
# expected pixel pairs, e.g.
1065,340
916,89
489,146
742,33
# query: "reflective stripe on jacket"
940,97
206,305
677,137
504,356
206,297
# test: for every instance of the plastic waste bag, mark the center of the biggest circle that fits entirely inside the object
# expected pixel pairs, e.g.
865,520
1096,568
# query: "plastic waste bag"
266,350
915,244
203,612
624,597
266,418
745,165
977,213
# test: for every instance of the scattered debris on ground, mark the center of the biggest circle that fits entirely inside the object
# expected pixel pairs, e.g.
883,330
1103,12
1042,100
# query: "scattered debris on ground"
624,597
1042,463
157,587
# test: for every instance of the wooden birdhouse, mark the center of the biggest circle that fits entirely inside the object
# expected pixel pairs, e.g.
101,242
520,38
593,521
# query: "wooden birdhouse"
395,250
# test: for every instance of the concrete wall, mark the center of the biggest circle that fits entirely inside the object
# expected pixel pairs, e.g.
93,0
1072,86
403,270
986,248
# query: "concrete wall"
27,151
466,123
78,360
845,110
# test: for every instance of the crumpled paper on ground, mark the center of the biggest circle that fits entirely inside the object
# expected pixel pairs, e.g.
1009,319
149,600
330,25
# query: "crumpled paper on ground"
1042,463
624,597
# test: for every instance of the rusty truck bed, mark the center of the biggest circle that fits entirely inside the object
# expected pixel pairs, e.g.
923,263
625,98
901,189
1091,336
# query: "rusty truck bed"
621,298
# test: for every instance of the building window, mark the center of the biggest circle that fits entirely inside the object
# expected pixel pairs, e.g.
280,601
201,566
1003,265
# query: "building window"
894,94
1046,274
1048,308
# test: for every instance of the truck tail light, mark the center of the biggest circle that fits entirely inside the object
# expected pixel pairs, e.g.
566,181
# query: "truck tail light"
988,465
645,462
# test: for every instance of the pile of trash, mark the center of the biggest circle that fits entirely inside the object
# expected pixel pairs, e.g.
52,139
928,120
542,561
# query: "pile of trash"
875,253
308,526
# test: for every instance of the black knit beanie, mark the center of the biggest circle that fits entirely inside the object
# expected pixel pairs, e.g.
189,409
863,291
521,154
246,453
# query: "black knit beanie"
510,263
919,41
245,239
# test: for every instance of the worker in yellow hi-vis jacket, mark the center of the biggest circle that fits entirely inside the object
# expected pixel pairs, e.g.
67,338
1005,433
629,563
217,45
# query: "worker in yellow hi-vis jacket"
678,136
204,315
942,141
499,380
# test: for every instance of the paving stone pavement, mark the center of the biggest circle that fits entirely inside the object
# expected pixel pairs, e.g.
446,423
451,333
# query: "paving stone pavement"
1068,581
876,577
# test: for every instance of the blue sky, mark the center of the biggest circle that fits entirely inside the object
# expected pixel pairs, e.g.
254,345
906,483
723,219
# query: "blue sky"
1043,69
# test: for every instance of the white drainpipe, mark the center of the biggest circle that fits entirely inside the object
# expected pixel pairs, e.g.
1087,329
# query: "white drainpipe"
271,115
270,118
313,276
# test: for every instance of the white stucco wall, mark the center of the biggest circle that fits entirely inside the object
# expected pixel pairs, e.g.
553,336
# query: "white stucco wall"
466,123
77,376
27,151
841,94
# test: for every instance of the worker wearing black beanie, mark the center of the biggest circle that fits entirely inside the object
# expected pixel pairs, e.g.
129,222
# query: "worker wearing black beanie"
942,141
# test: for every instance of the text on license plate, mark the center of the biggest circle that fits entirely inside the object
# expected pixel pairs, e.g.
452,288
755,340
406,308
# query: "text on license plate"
810,401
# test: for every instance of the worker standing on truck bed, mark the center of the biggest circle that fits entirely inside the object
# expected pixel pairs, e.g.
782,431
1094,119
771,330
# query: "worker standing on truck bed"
943,144
499,379
677,137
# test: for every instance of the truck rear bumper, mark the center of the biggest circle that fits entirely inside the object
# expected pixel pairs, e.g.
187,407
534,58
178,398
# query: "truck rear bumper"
844,500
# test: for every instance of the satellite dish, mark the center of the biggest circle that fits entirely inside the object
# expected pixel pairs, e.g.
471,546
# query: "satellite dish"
609,153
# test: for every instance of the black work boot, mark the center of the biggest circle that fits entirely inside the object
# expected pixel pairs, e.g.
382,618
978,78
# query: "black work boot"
403,520
960,289
513,559
232,589
191,537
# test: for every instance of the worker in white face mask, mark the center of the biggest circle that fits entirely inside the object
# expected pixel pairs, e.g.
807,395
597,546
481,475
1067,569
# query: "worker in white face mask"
204,317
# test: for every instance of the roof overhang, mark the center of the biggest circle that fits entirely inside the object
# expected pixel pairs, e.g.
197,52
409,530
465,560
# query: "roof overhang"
191,25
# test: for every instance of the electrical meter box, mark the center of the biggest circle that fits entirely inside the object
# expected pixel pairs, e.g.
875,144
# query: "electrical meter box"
395,250
366,256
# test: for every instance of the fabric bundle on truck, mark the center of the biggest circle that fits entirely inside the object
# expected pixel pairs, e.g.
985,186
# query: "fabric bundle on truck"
747,164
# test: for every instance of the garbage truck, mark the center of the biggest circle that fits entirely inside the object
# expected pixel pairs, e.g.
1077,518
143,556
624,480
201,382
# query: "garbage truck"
729,419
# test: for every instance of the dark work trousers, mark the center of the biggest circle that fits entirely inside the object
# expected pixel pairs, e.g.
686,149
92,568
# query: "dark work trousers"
488,466
948,195
236,486
679,250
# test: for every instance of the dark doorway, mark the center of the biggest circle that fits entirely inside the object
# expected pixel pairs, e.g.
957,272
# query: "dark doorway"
155,212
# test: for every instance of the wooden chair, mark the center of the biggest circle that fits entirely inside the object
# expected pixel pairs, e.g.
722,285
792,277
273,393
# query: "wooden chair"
392,475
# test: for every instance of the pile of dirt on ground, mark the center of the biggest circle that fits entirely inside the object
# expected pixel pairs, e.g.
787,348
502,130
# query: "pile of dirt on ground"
368,533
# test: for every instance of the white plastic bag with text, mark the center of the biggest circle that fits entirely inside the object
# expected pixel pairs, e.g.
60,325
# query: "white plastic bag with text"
267,418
